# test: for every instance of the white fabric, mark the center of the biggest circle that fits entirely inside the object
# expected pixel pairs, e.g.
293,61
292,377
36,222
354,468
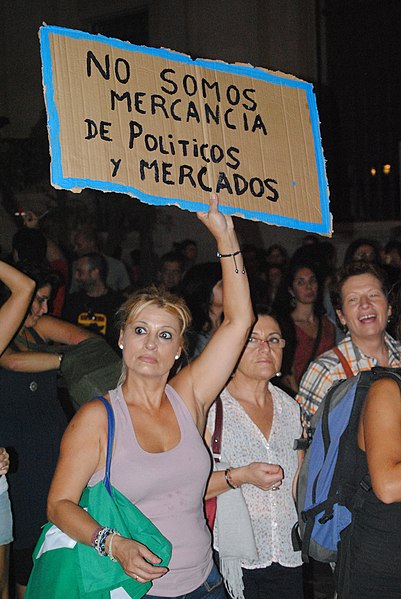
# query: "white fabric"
55,539
272,513
119,593
236,540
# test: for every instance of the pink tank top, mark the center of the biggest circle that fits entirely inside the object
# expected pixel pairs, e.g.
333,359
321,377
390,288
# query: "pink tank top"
168,488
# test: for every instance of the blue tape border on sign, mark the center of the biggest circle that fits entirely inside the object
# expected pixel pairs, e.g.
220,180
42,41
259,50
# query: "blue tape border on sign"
69,183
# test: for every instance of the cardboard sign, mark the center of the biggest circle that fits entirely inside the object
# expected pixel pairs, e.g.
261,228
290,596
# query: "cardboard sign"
169,130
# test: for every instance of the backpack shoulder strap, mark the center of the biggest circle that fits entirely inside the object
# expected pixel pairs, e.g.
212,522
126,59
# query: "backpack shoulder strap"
381,372
344,362
218,427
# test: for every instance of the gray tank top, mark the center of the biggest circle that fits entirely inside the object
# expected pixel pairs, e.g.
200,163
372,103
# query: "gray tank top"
168,488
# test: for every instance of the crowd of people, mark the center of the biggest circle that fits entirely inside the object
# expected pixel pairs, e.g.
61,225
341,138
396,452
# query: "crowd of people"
265,332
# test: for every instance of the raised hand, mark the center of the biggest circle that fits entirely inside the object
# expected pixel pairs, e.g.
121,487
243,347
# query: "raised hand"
217,223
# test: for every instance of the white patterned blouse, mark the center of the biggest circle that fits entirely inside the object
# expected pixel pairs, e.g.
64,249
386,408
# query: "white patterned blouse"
272,513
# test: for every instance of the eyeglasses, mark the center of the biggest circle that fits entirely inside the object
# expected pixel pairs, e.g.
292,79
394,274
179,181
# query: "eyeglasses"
272,342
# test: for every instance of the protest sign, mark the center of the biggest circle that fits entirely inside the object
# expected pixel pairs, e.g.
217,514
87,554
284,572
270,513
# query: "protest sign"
169,130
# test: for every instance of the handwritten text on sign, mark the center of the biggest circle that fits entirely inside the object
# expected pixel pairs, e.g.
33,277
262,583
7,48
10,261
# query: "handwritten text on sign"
168,129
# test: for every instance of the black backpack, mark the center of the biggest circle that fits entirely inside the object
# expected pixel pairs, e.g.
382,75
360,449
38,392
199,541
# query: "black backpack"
327,488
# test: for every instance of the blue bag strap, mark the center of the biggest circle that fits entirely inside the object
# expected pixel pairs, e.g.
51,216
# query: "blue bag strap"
110,438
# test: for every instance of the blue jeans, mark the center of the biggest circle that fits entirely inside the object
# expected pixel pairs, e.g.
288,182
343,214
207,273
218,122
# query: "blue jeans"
212,588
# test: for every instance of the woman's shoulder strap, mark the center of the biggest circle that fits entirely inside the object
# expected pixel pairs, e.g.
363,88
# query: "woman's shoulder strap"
344,362
110,439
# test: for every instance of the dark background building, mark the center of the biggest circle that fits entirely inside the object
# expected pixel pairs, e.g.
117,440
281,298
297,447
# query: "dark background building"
349,49
360,107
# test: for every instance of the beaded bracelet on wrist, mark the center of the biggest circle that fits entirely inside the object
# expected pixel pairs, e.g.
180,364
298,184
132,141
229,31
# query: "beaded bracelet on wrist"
100,539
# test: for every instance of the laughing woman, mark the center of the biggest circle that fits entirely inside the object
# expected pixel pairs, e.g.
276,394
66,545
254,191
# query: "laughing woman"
159,460
360,297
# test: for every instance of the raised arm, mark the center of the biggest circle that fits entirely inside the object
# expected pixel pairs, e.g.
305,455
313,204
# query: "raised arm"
380,436
202,380
13,310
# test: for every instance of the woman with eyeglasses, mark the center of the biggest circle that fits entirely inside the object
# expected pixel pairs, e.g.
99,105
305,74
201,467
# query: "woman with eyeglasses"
254,488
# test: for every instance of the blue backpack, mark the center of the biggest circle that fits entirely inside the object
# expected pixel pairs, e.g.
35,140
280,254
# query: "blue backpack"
327,488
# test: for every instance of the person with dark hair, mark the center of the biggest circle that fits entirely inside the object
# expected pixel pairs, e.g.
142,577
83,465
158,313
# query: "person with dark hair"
86,241
276,254
309,333
159,462
202,290
363,249
259,425
310,239
274,276
12,313
392,251
95,305
32,420
188,249
171,272
359,294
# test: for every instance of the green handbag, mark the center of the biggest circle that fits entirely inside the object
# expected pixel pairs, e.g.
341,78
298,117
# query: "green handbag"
65,569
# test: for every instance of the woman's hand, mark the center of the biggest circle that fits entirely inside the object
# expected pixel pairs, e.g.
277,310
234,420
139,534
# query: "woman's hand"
4,461
261,474
217,223
134,559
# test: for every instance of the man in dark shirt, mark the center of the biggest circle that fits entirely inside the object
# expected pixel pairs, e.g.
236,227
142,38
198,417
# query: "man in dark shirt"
95,305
